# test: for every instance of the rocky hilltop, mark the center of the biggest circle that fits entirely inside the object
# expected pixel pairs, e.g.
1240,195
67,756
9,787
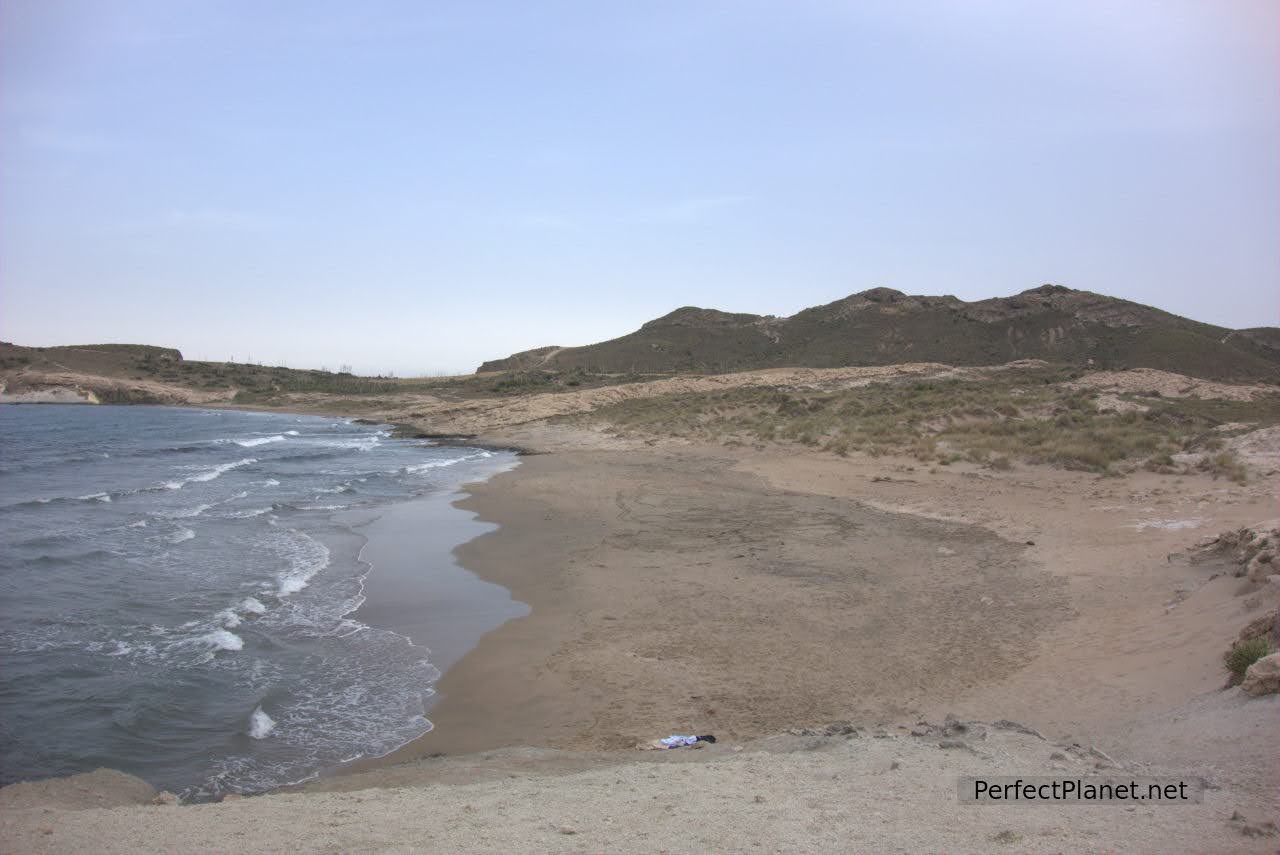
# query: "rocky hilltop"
884,327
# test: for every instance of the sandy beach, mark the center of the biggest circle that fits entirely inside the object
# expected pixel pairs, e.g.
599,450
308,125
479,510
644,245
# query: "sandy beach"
744,592
761,595
640,428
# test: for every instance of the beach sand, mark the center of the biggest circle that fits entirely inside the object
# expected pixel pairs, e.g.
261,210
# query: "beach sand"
679,592
743,591
748,592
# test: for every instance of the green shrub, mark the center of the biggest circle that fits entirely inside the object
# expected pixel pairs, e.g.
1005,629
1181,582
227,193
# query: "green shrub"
1245,653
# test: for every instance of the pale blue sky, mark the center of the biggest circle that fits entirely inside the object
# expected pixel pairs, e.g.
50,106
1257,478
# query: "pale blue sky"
418,186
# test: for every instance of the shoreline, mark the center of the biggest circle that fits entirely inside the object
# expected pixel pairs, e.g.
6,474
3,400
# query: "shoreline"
598,542
413,587
416,589
810,611
518,686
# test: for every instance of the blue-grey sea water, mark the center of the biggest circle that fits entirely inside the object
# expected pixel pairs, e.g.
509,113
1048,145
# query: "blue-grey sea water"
177,594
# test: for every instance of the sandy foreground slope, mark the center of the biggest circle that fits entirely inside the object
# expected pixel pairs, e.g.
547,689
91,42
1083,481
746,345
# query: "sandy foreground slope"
748,592
872,791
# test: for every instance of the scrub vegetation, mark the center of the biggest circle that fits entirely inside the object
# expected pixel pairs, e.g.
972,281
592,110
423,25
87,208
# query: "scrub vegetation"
1033,416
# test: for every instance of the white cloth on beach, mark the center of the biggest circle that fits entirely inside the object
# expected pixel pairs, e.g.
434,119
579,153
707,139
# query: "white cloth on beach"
675,741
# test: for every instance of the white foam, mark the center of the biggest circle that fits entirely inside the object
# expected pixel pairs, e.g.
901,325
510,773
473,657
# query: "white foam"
218,470
271,482
436,464
138,524
252,606
260,440
261,724
291,433
305,566
95,497
364,443
223,640
433,464
209,474
229,618
180,536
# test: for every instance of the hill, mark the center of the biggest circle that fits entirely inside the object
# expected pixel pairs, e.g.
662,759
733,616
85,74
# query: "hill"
885,327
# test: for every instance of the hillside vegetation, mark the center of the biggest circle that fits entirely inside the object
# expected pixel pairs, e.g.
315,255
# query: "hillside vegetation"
142,374
1034,414
887,327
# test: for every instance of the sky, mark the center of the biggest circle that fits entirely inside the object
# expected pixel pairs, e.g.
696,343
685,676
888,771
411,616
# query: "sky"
415,187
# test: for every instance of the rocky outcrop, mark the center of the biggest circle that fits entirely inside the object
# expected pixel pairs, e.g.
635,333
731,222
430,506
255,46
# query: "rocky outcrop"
1263,676
1250,550
49,395
1266,626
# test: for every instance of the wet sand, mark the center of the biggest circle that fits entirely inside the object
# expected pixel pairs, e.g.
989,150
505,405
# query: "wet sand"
417,588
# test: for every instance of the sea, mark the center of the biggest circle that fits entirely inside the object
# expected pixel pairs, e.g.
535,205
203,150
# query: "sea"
180,588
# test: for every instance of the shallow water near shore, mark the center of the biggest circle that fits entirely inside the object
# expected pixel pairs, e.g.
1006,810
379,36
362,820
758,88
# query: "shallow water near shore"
182,592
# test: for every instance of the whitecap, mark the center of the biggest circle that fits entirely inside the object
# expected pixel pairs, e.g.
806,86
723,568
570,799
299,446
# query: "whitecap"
221,639
363,443
138,524
436,464
210,473
260,724
252,606
229,618
95,497
181,536
218,470
314,557
259,440
291,433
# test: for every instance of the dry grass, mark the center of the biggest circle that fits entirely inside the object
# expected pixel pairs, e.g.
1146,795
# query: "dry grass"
1026,416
